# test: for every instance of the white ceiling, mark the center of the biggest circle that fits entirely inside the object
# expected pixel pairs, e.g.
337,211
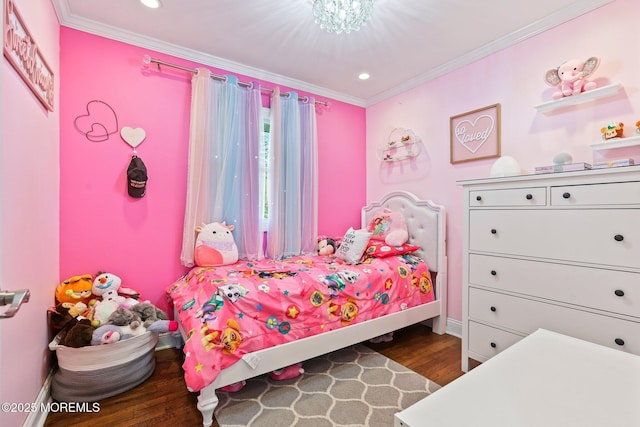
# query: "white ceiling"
406,42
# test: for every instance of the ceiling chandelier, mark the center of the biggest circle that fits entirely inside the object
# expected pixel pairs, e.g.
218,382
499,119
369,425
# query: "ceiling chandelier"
342,15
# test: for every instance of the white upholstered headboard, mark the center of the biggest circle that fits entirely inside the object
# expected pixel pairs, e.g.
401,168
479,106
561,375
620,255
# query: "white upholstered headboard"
426,222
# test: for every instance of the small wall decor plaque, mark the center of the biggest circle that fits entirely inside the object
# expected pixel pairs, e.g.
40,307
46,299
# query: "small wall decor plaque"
23,54
475,135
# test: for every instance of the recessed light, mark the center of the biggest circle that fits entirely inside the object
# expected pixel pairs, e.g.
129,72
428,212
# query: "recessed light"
364,76
154,4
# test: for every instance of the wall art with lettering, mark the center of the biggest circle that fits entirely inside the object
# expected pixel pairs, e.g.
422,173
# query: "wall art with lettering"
475,135
23,54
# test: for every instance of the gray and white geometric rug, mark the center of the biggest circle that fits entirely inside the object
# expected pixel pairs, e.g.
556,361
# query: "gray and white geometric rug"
354,387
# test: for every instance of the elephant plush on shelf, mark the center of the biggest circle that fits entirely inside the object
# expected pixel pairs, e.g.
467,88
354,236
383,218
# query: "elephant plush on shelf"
571,77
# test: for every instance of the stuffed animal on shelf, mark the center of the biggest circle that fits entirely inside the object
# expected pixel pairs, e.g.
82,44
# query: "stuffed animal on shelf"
570,77
108,286
612,130
287,372
638,126
75,289
215,245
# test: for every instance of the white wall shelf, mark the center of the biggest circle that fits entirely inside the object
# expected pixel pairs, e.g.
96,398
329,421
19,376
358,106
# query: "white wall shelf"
598,93
616,143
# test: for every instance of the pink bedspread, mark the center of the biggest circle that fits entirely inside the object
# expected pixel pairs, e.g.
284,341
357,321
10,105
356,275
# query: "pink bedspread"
237,309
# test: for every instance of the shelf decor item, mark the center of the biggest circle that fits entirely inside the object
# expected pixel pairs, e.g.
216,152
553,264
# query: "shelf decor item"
402,144
612,130
567,167
475,135
570,77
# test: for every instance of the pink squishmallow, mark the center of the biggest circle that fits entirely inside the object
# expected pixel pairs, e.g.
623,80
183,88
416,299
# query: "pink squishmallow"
215,245
388,226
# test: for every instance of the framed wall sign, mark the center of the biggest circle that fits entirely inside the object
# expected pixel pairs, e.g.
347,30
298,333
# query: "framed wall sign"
22,52
475,135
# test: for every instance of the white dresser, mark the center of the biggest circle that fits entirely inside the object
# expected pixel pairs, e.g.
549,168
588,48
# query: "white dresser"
555,251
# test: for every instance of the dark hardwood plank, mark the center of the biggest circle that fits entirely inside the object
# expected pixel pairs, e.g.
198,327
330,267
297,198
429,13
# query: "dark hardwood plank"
163,399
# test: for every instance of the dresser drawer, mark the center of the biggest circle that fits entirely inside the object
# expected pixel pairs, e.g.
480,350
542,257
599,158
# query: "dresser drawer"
525,316
609,290
599,236
619,193
486,341
510,197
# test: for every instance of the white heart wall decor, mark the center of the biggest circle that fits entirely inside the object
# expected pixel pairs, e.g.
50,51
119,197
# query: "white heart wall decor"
133,137
473,134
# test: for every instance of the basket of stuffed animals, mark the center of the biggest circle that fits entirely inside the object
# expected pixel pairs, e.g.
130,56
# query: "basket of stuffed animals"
95,372
105,342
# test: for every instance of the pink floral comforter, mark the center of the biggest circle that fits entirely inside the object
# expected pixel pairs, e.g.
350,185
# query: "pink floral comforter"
236,309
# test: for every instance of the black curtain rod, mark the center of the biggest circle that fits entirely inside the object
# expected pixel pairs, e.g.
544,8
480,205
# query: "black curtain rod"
148,60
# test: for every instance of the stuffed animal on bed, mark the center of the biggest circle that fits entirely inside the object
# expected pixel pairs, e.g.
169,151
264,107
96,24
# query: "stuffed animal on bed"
327,246
215,245
388,226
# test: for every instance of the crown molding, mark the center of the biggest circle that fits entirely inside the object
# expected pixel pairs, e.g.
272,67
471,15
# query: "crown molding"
560,17
566,14
114,33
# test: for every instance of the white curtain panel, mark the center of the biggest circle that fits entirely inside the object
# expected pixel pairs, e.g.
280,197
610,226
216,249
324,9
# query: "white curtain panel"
224,181
293,177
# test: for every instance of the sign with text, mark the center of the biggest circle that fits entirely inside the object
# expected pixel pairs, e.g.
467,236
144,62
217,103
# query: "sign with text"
476,135
22,52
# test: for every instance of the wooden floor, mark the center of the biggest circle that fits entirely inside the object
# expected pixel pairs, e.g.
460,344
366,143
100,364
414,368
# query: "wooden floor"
163,400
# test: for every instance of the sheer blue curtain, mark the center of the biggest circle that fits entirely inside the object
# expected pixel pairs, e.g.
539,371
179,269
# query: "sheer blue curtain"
293,177
224,181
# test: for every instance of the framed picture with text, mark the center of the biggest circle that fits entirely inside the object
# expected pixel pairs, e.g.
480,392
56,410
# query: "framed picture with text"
475,134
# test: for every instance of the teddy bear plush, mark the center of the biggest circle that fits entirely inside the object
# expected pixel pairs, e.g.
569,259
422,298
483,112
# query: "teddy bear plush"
78,335
63,313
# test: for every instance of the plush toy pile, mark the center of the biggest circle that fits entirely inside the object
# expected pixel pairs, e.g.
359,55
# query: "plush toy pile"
94,311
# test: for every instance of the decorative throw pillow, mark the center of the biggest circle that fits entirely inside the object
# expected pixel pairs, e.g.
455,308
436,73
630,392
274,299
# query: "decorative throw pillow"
353,245
377,249
215,245
388,226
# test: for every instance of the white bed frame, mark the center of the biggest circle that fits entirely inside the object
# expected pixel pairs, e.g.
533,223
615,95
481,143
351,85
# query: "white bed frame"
426,222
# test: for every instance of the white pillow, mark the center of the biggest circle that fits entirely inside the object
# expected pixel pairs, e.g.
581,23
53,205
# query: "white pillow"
353,245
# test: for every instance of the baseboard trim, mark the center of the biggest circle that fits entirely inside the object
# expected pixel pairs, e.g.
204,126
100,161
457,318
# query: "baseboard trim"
37,418
454,327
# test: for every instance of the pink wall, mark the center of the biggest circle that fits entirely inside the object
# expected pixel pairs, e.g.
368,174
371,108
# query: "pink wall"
101,228
30,215
512,77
